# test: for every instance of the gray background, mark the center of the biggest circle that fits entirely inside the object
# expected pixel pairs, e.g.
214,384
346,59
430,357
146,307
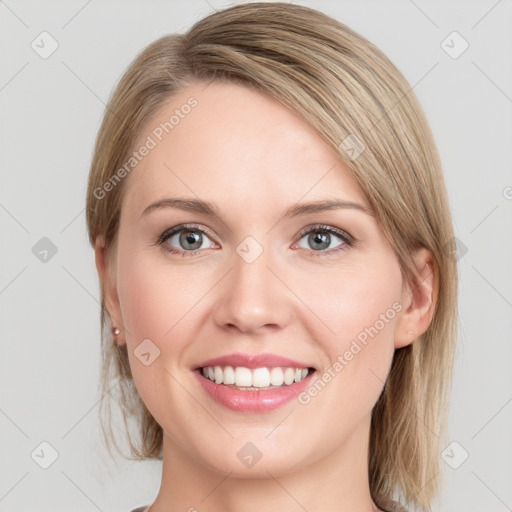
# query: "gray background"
51,110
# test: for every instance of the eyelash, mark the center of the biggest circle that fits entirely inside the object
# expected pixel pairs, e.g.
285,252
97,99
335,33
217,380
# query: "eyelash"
348,240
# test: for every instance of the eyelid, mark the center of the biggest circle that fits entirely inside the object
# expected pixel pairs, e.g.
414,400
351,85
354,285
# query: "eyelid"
341,233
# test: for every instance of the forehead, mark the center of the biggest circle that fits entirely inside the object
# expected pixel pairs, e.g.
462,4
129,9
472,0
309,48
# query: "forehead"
227,143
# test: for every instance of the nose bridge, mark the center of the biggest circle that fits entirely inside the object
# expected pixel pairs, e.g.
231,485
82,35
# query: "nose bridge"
252,296
251,273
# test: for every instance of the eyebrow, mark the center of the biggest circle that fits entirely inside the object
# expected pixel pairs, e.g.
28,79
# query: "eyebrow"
210,209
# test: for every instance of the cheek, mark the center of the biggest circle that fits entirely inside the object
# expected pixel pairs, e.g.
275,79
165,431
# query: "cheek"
159,302
347,302
156,299
145,298
355,313
157,305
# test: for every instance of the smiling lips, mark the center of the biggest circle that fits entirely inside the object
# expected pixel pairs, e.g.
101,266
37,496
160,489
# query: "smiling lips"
253,383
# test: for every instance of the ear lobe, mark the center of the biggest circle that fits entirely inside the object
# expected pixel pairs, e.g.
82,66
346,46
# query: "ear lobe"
109,287
418,302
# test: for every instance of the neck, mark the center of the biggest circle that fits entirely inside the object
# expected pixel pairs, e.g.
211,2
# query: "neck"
337,482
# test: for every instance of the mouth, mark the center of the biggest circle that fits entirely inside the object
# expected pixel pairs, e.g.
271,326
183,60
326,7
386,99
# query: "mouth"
253,383
255,379
256,389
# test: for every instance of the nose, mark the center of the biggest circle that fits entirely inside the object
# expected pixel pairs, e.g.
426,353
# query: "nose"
253,297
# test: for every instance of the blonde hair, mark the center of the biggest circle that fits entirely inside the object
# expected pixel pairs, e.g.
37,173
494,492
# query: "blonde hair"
343,86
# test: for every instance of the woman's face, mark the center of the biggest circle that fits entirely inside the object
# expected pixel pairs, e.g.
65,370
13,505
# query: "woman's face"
265,275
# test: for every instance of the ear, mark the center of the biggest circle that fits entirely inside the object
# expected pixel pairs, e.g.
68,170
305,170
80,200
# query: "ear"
109,286
418,301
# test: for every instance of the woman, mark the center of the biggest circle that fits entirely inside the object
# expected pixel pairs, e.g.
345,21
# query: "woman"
270,223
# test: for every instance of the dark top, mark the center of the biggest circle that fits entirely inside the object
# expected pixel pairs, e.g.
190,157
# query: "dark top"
385,504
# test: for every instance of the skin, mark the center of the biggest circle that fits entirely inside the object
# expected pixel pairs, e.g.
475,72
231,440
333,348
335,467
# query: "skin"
253,158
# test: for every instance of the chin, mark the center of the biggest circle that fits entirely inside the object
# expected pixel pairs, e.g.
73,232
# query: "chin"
253,457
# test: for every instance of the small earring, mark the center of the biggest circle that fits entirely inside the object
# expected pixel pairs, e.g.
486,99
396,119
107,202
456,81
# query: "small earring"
116,331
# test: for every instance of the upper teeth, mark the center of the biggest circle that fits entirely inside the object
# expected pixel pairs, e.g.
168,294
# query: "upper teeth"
257,377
